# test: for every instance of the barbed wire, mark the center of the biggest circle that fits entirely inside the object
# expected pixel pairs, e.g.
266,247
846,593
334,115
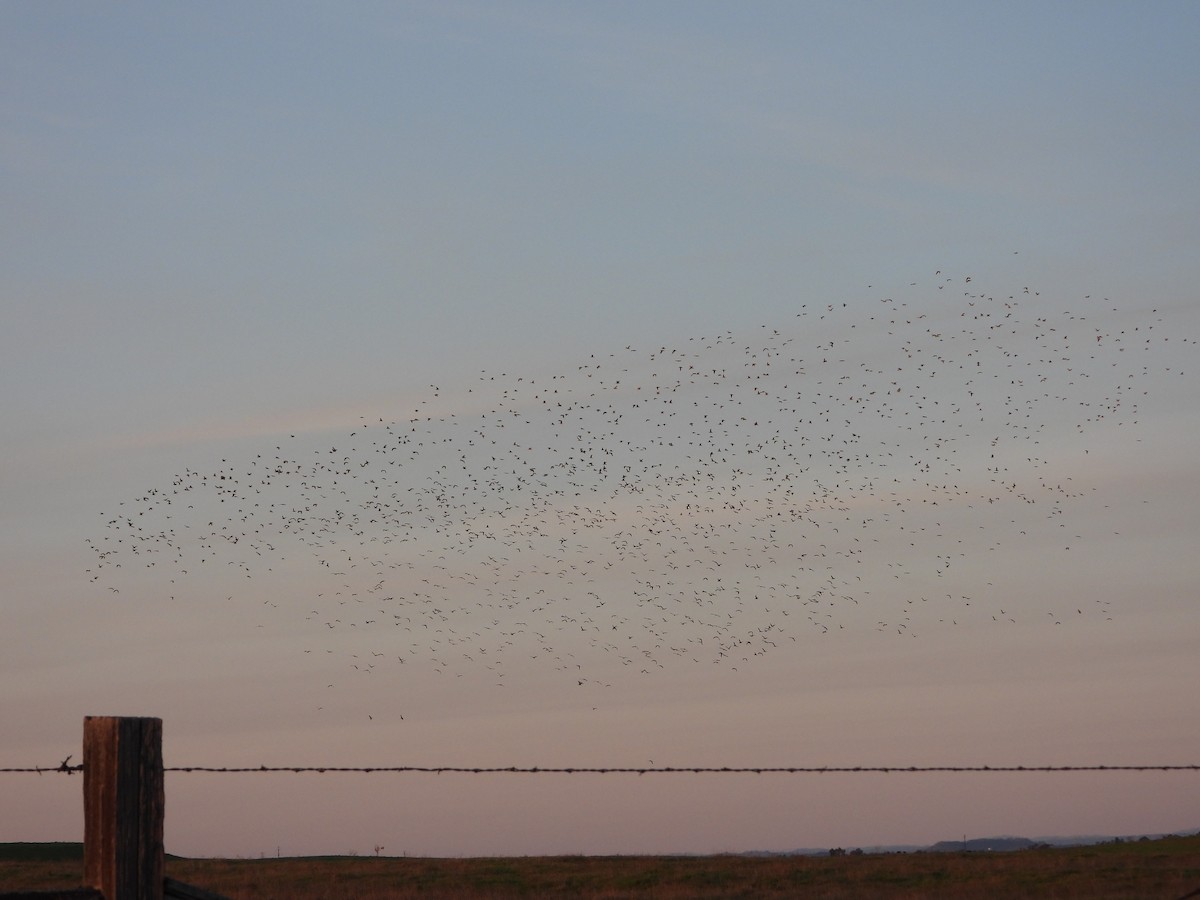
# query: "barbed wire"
693,770
634,770
61,767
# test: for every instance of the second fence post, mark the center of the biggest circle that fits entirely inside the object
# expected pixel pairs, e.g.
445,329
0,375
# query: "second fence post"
123,802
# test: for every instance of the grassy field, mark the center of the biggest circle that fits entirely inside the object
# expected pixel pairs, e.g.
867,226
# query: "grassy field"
1168,868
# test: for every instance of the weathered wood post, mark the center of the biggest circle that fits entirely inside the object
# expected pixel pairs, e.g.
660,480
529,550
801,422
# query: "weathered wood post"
123,803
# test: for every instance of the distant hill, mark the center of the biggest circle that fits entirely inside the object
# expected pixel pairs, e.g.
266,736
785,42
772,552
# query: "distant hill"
992,844
1021,843
975,845
56,850
46,851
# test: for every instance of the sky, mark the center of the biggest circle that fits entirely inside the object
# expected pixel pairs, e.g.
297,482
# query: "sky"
602,385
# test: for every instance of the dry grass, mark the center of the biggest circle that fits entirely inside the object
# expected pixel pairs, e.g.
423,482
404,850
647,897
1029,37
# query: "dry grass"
1166,868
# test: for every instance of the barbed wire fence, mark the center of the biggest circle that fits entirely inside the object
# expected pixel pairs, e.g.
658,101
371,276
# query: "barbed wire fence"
124,795
65,768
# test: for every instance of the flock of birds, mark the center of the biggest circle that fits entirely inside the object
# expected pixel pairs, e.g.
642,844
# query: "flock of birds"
710,501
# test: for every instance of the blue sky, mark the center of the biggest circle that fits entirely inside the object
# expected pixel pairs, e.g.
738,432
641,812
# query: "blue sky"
229,227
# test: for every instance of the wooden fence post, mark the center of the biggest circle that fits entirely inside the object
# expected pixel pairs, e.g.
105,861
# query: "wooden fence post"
123,802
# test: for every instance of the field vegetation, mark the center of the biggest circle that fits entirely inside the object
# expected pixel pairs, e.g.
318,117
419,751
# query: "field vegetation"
1167,868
